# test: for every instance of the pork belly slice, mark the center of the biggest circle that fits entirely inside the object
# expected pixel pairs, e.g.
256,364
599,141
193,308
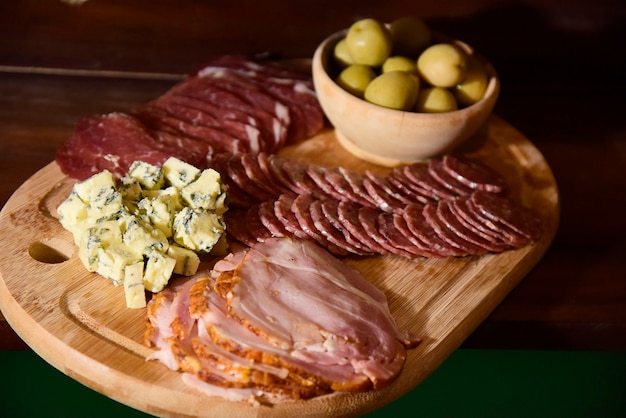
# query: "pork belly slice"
283,320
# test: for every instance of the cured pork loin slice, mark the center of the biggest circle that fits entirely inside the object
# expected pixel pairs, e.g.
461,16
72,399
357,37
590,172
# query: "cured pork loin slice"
232,105
476,224
283,319
422,182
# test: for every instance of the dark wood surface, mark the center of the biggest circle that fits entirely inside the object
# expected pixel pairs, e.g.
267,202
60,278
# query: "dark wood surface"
563,70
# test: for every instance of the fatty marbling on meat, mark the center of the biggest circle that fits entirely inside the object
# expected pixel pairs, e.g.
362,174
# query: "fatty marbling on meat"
283,319
232,105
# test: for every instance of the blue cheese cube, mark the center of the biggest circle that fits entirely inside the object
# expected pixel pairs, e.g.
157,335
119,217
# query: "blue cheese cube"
158,207
149,176
158,271
113,260
95,238
103,179
205,192
187,261
134,290
179,173
142,237
105,202
72,211
198,230
130,189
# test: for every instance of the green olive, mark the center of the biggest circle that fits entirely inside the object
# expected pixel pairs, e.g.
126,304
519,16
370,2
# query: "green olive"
410,36
369,42
355,78
341,53
399,63
394,89
473,86
435,100
442,65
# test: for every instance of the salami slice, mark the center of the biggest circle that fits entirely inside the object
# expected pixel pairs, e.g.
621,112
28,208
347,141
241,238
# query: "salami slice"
473,174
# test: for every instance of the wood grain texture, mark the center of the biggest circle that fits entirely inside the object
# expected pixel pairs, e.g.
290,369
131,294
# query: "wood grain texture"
78,321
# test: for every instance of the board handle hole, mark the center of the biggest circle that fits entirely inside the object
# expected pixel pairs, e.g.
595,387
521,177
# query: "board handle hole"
50,251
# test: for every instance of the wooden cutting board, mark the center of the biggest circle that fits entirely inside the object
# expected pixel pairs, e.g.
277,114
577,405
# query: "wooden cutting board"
78,322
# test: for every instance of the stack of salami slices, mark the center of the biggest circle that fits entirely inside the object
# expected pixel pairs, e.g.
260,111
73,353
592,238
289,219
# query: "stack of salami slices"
448,206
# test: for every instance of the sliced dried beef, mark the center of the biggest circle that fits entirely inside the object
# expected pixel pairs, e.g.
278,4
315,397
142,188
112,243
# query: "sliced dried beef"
113,142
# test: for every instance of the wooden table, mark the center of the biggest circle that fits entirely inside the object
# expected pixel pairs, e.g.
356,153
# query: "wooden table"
563,72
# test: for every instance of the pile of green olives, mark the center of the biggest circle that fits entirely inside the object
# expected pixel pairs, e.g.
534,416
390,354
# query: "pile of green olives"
399,67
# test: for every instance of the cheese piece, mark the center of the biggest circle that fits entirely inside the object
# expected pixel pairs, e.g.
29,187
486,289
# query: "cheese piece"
142,237
198,230
159,207
130,189
113,260
179,173
159,269
104,203
134,290
205,192
187,261
102,179
95,238
149,176
72,211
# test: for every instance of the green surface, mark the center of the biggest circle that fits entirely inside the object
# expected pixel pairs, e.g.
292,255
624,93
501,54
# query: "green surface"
471,383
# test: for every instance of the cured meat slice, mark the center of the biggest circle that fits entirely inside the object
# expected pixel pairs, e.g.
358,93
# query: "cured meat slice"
259,177
281,320
113,142
330,208
382,195
369,219
237,173
199,113
419,175
282,209
520,224
449,236
315,302
348,215
473,174
438,171
467,235
293,89
230,97
423,230
424,249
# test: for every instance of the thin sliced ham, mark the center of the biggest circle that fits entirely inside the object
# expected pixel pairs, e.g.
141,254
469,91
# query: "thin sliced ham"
283,319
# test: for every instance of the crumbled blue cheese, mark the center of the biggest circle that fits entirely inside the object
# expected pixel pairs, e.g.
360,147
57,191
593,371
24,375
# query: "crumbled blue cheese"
147,226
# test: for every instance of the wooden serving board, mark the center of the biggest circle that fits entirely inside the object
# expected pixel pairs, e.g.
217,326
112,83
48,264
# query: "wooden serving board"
78,321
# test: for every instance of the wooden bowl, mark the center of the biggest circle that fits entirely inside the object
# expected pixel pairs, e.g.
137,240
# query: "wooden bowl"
391,137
